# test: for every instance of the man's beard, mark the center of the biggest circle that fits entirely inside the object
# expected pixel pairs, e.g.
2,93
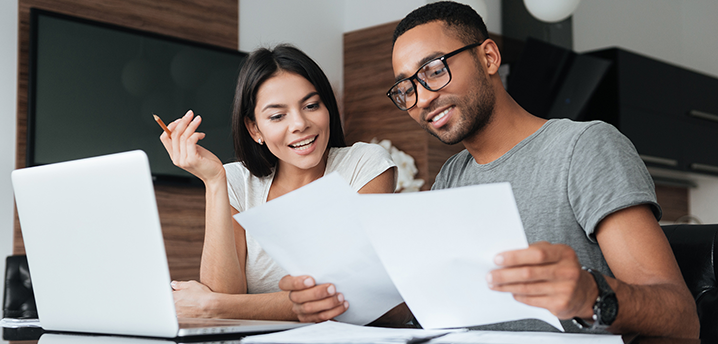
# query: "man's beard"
476,111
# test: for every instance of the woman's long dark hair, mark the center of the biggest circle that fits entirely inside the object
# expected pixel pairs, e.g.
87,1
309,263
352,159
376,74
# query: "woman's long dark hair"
261,65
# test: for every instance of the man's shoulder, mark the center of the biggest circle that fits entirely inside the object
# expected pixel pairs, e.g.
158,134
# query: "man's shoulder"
564,135
570,128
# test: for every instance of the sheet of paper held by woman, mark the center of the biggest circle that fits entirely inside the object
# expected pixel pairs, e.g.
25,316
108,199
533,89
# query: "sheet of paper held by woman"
315,231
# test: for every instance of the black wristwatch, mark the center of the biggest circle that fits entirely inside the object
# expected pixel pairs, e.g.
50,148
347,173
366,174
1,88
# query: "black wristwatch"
605,309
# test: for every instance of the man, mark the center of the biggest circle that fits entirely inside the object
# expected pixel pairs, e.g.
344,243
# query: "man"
583,193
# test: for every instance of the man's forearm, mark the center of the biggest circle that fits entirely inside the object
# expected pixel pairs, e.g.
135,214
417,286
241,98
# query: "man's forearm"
655,310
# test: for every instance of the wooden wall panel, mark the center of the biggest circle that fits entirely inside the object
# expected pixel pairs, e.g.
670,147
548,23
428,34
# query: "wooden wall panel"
368,113
206,21
673,201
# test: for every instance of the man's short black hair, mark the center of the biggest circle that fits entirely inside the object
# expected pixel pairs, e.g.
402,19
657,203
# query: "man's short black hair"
459,18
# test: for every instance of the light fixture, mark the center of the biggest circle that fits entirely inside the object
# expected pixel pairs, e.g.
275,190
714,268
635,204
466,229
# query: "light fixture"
551,11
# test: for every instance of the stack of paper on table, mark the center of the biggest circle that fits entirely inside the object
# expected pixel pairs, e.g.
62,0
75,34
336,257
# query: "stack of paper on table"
340,333
431,249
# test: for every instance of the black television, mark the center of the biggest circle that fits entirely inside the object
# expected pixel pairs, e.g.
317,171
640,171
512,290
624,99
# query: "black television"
93,87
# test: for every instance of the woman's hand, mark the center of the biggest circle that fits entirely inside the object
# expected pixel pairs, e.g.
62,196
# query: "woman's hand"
186,153
193,300
313,303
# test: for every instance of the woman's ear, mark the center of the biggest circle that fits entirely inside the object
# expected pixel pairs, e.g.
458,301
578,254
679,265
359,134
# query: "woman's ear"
253,130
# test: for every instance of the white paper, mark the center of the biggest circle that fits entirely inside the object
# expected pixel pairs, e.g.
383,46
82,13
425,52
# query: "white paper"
438,247
505,337
340,333
314,231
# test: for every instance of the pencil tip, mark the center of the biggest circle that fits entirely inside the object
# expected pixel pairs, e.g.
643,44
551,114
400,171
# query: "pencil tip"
155,116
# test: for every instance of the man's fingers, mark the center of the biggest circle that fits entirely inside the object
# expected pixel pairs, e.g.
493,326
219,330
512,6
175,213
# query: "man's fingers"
533,274
295,283
535,288
543,301
536,254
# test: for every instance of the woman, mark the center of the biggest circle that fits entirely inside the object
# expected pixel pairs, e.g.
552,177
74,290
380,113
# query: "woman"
287,133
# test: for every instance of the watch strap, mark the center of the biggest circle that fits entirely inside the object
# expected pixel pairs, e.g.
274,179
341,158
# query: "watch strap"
604,291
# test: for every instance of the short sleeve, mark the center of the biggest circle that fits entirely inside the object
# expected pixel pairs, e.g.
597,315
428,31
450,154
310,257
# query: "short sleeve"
360,163
236,183
606,175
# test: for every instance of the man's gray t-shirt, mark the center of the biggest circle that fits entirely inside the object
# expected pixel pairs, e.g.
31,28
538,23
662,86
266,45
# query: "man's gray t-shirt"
566,178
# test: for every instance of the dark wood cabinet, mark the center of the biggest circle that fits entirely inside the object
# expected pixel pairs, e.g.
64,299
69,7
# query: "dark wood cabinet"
669,113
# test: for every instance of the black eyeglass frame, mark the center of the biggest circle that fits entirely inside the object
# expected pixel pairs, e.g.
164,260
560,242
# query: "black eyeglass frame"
411,79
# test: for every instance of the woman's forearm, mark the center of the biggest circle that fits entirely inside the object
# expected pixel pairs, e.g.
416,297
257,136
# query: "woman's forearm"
221,268
271,306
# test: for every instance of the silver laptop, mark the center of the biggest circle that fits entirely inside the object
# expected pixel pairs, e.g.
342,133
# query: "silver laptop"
96,252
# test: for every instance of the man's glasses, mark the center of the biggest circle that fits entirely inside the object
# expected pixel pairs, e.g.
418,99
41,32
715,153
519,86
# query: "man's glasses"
433,75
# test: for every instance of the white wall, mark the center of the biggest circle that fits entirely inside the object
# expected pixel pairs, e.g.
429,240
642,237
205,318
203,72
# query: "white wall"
317,26
360,14
314,26
8,104
683,33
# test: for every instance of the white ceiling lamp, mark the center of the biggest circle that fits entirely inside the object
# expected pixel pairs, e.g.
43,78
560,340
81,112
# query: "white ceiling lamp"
551,11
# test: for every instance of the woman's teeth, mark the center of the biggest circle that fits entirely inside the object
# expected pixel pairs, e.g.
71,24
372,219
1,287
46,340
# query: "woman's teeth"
440,116
303,144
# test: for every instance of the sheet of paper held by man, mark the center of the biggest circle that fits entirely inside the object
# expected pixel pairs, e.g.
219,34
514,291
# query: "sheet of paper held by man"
314,231
438,247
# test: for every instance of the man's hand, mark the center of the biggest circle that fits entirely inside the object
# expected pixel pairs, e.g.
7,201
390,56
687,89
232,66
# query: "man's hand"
548,276
313,303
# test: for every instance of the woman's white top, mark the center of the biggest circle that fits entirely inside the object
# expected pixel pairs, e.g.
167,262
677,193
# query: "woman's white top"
357,164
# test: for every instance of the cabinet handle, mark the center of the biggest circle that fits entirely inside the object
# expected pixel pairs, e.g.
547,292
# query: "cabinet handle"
703,115
704,168
659,161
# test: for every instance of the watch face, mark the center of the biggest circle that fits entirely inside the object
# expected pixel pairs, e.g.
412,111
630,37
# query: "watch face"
608,309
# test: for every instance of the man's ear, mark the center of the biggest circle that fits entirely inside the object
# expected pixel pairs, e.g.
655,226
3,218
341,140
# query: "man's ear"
253,129
492,56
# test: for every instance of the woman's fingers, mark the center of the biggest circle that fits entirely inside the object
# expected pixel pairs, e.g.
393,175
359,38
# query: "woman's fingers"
184,150
179,136
323,315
